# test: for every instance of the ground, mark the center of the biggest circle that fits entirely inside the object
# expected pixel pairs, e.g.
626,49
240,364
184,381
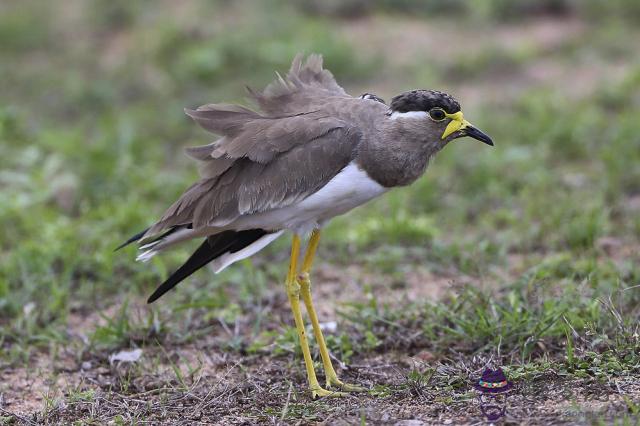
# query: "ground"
524,256
202,380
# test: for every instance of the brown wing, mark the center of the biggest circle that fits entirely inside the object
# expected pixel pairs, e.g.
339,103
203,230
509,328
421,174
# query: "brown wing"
248,186
302,95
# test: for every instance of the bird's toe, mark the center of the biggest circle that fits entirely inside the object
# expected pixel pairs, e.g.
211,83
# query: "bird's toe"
322,393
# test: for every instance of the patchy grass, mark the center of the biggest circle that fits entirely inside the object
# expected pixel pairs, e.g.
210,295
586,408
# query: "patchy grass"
526,255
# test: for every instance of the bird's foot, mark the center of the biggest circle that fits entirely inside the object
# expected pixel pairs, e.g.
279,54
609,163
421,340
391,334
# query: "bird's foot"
320,392
347,387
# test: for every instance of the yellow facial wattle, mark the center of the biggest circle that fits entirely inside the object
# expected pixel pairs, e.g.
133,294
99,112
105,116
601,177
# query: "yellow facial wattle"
457,123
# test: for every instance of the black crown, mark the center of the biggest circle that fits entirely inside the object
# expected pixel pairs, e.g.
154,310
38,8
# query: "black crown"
424,100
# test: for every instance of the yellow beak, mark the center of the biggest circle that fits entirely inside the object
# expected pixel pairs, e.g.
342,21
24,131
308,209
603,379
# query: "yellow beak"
457,123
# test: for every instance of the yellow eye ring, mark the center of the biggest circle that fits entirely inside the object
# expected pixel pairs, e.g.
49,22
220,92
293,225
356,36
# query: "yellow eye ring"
437,114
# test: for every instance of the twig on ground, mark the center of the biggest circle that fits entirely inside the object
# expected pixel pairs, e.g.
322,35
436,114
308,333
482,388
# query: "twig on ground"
286,404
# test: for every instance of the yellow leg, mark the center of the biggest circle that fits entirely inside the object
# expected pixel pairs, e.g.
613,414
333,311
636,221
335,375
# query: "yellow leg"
293,292
305,292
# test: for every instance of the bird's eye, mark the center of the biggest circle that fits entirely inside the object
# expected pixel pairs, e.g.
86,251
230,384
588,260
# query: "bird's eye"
437,114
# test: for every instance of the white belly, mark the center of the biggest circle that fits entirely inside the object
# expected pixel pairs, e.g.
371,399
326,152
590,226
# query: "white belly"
348,189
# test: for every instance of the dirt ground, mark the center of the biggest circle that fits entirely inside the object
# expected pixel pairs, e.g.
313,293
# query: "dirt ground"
213,386
246,390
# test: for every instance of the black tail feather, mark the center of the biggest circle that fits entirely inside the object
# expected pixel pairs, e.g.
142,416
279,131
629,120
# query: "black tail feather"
132,239
213,247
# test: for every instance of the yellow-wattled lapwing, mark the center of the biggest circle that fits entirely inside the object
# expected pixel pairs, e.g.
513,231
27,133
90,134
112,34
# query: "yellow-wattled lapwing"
312,153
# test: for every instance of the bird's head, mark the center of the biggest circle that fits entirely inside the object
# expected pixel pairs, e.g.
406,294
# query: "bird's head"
435,117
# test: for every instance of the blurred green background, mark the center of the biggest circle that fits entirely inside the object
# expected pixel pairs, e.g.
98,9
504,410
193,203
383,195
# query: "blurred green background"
92,131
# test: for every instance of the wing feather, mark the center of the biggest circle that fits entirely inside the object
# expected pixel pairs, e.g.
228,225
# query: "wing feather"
251,187
269,159
307,83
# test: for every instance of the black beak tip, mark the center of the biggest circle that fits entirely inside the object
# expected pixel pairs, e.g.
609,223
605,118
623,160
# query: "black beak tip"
478,135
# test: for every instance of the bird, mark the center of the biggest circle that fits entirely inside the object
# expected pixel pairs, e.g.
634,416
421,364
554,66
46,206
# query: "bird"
307,153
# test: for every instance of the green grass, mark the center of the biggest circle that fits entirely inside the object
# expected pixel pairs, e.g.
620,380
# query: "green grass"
91,129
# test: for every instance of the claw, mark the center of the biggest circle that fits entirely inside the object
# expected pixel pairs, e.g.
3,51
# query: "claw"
320,392
348,387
